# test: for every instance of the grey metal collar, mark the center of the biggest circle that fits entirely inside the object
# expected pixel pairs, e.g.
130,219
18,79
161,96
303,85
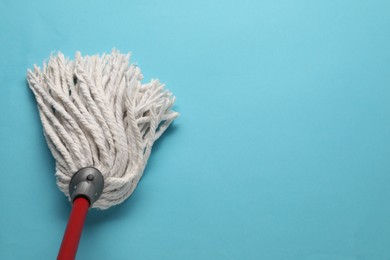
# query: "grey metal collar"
87,182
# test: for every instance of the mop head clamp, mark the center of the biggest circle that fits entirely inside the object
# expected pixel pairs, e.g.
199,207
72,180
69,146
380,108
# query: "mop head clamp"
98,117
88,183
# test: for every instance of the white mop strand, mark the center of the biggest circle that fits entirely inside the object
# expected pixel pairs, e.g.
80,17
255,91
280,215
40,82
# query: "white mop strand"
95,112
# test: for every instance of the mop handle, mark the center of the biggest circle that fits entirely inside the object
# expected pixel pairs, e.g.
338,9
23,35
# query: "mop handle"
85,188
72,234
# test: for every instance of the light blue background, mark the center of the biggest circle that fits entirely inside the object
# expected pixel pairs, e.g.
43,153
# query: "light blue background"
281,151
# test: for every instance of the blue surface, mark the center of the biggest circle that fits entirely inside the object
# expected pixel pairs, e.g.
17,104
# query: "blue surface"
281,151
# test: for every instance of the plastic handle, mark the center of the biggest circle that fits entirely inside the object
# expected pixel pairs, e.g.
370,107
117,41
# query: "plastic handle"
72,234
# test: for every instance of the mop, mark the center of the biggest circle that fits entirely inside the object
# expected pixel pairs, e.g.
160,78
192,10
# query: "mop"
100,123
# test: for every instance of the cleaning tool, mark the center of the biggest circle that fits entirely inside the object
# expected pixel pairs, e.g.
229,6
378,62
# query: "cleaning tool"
100,123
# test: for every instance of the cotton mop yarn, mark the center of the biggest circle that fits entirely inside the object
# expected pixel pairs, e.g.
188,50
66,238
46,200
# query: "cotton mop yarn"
96,113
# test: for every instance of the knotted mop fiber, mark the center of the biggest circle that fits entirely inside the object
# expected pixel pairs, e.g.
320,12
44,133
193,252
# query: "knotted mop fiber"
96,112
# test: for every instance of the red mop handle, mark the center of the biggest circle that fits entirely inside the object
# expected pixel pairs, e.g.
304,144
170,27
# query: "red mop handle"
72,235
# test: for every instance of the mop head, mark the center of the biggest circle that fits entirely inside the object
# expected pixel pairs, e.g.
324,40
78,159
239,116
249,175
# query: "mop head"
96,112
